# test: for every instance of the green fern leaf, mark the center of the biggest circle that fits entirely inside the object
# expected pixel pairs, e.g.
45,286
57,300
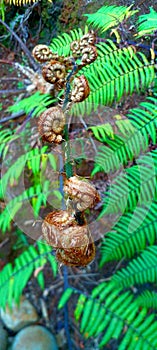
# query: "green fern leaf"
61,44
107,313
147,24
134,139
113,76
65,297
135,185
139,271
131,234
109,16
147,299
36,103
14,279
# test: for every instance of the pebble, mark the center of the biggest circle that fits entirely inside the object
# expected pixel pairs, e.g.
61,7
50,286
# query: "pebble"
19,316
3,337
34,338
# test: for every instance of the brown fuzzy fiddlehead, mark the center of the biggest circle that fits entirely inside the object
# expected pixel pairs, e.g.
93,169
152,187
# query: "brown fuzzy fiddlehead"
88,39
54,72
74,244
51,124
80,90
83,194
42,53
89,55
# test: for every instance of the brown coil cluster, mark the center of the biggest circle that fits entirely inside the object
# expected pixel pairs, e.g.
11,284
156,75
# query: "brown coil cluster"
72,239
83,194
85,47
80,90
42,53
51,124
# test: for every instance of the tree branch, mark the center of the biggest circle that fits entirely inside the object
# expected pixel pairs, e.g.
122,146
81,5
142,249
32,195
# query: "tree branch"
23,46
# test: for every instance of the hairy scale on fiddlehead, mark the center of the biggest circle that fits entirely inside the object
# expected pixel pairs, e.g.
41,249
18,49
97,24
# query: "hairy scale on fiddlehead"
54,72
73,242
89,55
83,194
80,90
42,53
88,39
75,48
51,124
66,230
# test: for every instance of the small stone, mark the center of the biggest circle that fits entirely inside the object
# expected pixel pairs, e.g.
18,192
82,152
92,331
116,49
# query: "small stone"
20,315
3,337
34,338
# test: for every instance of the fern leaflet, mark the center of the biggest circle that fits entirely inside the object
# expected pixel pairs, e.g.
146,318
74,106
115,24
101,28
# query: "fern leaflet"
107,313
147,24
13,279
147,299
139,271
132,233
109,16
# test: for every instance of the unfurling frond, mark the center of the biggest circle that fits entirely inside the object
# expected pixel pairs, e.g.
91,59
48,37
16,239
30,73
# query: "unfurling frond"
115,73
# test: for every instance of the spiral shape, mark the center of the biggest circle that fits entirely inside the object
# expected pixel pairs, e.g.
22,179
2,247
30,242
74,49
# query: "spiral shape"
83,194
42,53
89,55
75,48
54,72
88,39
80,90
51,124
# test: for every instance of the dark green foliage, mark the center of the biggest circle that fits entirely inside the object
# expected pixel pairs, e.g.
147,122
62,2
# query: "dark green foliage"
108,312
137,186
109,17
13,279
147,299
132,233
125,146
140,270
127,154
147,24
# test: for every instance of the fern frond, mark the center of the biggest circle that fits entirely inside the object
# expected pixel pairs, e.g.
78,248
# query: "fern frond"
131,234
36,194
109,16
137,185
132,140
13,279
32,159
61,44
147,299
6,135
111,78
147,24
104,131
108,312
139,271
37,103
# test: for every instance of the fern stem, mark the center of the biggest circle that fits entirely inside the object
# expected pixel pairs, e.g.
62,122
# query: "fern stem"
66,315
68,164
